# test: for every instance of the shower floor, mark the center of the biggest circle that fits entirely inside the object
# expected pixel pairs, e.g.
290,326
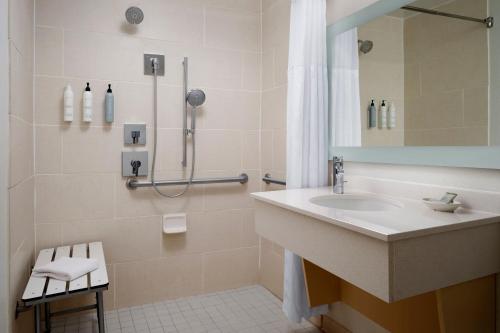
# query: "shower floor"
247,310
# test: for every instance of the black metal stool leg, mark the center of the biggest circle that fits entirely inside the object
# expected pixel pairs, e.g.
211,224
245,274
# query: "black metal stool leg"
37,319
47,317
100,311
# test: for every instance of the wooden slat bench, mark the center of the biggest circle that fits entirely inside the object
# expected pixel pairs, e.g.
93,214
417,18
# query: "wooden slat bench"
41,291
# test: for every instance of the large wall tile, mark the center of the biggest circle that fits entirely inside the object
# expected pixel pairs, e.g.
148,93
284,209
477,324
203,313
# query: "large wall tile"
21,85
274,108
49,51
48,235
230,196
133,283
230,269
251,71
230,109
127,239
232,30
21,150
65,198
92,149
21,214
48,149
218,150
176,277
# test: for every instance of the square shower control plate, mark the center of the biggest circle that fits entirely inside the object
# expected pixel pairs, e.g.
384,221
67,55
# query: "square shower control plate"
134,163
148,67
134,134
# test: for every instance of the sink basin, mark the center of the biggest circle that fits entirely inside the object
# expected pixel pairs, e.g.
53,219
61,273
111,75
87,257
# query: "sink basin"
355,202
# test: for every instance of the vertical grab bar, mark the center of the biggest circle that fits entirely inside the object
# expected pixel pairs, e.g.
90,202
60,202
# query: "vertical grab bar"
184,118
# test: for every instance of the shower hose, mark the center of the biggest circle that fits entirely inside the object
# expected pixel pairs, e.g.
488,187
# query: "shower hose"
155,141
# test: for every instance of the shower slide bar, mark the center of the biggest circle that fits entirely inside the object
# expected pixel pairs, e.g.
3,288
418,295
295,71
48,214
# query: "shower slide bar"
269,180
489,21
242,179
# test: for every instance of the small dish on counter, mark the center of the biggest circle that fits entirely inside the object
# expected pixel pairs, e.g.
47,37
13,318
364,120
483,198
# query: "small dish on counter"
440,206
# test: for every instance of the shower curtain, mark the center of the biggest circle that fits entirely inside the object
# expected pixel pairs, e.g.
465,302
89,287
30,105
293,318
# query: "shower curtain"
345,113
307,130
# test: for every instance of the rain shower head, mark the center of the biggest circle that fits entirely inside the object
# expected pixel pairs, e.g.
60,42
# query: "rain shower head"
365,46
195,97
134,15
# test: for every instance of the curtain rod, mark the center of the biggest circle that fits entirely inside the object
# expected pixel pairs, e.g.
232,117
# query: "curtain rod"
489,21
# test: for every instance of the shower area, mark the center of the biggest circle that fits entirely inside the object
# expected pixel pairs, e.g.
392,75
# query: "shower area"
207,123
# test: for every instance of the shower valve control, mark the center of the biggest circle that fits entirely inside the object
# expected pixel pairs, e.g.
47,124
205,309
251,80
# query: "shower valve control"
134,134
134,163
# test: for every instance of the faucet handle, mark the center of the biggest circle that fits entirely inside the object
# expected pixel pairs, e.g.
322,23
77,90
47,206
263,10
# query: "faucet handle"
338,162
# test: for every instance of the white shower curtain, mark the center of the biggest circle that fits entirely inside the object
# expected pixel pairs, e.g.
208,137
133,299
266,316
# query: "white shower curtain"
345,113
307,130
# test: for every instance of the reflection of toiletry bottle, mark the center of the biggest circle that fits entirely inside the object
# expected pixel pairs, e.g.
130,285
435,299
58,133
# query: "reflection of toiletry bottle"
68,103
372,115
87,104
392,116
109,113
383,115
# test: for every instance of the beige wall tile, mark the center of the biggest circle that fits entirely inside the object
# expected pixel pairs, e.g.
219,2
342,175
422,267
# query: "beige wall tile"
133,283
129,239
21,14
175,277
48,149
48,235
218,150
476,106
279,150
266,150
268,71
230,269
230,109
243,5
251,71
274,108
49,51
92,149
21,84
64,198
275,24
251,151
205,73
21,214
232,30
281,64
21,150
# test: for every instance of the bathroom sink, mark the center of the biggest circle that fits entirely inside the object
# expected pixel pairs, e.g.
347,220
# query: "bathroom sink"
355,202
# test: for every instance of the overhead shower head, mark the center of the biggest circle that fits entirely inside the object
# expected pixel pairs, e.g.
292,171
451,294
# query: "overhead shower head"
195,97
365,46
134,15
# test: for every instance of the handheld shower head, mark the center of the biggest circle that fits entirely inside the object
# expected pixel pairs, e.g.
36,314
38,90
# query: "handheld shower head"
195,98
134,15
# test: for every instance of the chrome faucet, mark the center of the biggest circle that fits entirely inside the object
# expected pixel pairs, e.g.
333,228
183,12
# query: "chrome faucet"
338,175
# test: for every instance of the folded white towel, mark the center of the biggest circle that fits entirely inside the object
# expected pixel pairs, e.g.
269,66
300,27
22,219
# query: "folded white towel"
66,269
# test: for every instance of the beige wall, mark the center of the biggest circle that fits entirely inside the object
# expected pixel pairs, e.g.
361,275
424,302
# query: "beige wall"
21,166
381,76
446,78
80,194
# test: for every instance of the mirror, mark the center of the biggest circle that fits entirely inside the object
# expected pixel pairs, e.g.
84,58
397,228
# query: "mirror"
428,74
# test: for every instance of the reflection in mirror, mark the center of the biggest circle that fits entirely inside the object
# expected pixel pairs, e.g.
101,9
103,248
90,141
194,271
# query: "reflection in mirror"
427,75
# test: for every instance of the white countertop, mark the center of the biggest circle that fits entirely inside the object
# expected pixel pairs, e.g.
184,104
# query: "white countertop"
412,220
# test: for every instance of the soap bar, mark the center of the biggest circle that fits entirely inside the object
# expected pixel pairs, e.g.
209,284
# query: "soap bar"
448,197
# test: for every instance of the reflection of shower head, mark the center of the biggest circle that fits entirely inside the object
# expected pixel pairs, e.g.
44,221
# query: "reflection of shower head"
195,98
134,15
365,46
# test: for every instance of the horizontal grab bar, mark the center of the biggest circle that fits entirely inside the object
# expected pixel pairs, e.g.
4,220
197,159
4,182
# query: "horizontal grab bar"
269,180
242,179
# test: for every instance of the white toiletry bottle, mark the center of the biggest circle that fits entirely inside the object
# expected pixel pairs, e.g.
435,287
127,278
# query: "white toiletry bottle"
87,104
68,103
109,113
392,115
383,115
372,115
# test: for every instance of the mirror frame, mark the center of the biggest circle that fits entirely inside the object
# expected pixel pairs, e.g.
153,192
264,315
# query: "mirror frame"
486,157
